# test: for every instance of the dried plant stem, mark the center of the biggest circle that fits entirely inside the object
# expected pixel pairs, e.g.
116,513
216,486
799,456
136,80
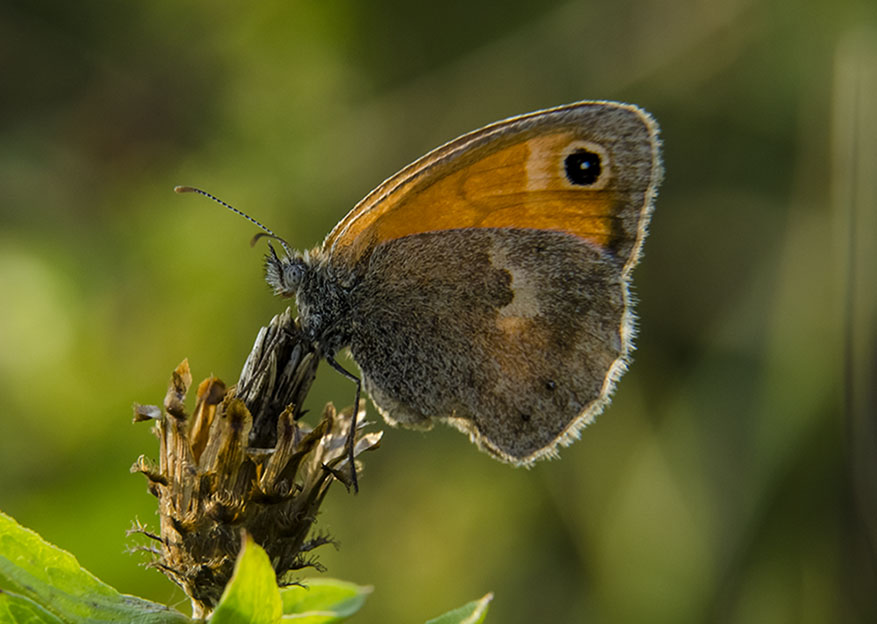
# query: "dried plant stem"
241,461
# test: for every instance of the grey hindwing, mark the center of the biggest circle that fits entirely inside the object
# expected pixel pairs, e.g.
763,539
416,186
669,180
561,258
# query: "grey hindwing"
509,334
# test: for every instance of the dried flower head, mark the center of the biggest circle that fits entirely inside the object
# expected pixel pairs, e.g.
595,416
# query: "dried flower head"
242,461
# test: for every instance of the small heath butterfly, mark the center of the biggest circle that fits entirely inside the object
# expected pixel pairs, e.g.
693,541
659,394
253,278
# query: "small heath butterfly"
486,284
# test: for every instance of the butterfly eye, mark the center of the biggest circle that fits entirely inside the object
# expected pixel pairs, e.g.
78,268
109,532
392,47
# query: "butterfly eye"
285,274
583,167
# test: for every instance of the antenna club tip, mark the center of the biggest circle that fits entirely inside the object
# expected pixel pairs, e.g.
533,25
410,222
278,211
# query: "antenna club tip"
184,189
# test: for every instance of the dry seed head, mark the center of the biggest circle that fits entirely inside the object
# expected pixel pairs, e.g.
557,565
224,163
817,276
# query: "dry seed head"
242,461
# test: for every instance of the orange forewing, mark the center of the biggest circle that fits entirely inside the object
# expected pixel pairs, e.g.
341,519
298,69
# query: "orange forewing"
520,185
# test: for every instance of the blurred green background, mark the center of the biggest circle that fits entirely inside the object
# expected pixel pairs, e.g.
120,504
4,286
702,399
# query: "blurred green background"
734,478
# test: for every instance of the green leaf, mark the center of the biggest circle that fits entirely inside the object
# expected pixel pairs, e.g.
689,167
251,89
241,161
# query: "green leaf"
471,613
52,579
252,595
15,609
322,600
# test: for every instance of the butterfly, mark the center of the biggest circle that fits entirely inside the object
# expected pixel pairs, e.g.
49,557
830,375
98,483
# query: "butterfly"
486,285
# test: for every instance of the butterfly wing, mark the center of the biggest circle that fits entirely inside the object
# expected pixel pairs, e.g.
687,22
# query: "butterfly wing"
514,336
590,169
494,276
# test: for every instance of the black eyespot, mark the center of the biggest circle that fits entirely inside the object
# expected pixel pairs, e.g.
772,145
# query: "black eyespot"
525,417
550,385
582,167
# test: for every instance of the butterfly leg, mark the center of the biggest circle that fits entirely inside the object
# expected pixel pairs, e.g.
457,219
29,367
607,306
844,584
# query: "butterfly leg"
351,435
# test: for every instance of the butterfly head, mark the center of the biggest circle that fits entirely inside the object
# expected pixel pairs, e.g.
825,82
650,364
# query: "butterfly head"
285,274
320,297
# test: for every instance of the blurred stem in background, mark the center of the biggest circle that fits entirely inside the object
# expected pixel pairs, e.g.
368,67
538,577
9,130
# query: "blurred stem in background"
854,182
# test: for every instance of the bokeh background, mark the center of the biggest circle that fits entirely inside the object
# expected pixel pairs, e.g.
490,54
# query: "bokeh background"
734,478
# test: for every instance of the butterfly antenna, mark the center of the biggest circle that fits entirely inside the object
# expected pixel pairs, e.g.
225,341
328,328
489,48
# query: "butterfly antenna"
268,232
